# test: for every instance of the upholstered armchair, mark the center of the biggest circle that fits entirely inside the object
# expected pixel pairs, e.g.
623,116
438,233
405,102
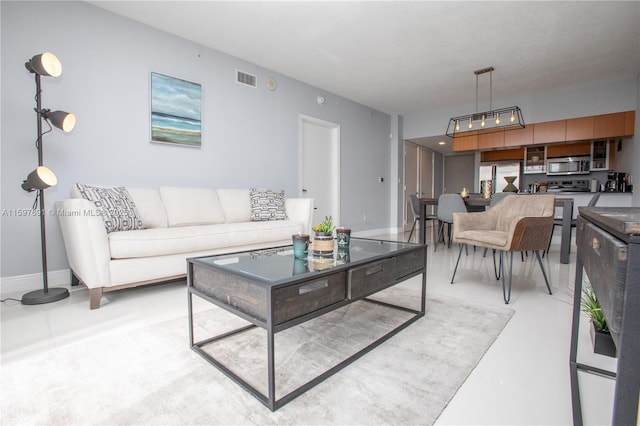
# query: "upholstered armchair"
518,223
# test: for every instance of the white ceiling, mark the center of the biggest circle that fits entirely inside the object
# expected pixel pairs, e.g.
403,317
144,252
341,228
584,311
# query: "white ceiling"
410,56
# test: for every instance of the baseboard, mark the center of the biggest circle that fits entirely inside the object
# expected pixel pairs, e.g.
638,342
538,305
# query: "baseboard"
372,233
29,282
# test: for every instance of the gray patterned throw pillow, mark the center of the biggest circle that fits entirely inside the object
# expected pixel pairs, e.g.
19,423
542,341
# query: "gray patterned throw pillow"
267,204
114,205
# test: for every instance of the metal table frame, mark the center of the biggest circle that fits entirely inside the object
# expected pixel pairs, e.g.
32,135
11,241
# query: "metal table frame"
271,328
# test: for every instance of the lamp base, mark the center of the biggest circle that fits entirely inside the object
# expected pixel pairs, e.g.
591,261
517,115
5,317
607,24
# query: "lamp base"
39,297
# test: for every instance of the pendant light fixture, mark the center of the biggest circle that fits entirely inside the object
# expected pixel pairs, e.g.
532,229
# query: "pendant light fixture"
486,121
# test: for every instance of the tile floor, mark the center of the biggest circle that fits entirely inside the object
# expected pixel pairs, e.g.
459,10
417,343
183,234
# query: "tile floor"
522,379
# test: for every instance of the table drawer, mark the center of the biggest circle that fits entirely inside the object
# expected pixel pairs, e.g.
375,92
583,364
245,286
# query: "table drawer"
302,298
246,296
605,262
368,279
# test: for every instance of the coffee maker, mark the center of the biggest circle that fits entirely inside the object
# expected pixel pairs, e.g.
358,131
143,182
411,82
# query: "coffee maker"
617,182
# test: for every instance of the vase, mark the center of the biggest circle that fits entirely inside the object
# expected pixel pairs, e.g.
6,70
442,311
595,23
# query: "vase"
322,244
510,186
602,342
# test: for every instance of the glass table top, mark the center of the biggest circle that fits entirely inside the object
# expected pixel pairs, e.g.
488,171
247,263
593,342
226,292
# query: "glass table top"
279,264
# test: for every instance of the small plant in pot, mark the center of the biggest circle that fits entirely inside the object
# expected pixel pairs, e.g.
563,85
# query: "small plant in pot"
323,237
599,330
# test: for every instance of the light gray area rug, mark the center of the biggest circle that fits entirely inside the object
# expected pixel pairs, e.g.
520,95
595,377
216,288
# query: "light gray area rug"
151,376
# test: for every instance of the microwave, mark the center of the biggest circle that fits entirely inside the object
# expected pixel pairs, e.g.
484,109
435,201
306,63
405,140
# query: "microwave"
568,166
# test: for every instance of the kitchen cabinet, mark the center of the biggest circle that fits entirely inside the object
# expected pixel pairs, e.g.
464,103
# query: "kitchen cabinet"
549,131
619,124
579,129
518,137
491,139
600,155
465,143
535,159
569,149
502,155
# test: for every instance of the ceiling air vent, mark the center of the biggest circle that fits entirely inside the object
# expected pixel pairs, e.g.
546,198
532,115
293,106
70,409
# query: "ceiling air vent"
246,78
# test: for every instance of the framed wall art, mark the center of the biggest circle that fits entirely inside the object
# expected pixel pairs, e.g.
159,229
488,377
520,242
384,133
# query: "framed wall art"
175,111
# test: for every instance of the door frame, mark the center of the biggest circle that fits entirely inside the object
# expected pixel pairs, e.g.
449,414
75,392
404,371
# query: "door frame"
333,162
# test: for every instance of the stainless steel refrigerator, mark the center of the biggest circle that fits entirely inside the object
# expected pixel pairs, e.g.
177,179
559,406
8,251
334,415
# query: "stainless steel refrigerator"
497,171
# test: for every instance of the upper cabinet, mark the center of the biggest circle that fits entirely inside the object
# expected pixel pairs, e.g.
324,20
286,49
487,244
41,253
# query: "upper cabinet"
491,139
600,155
579,129
549,131
466,143
519,137
619,124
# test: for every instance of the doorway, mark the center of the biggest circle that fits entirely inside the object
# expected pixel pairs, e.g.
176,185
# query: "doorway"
418,178
319,173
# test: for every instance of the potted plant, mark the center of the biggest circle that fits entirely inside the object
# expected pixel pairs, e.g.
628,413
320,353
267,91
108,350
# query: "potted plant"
599,330
323,237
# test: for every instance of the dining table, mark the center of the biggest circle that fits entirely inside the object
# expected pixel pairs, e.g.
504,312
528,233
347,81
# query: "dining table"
478,203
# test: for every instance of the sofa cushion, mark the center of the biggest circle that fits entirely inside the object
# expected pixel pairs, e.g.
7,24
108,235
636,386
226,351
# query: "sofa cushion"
149,207
235,204
267,204
191,206
115,206
164,241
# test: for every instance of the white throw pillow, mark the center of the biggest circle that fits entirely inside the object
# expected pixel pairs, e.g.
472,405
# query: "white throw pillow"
149,207
235,203
191,206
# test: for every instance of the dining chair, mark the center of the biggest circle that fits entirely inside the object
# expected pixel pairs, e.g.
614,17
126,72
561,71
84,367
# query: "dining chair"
558,221
495,199
519,223
448,204
415,209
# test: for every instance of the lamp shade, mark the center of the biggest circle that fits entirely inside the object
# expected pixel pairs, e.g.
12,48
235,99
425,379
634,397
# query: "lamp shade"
45,64
65,121
40,178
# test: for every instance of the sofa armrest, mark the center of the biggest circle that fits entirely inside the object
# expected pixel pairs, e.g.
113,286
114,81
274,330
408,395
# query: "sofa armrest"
300,209
85,241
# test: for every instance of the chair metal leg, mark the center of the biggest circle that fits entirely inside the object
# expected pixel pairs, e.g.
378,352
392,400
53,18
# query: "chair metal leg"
412,229
546,280
499,269
506,290
440,236
458,261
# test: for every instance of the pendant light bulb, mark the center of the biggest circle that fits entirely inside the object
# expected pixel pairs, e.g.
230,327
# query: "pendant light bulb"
483,123
457,125
498,119
513,116
470,123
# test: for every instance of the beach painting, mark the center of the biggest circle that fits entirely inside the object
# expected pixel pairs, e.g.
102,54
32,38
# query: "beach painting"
175,111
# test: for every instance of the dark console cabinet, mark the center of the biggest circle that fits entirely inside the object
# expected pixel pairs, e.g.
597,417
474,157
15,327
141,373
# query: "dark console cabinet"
608,241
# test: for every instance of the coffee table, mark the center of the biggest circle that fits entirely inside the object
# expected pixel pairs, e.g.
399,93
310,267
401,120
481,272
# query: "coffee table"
272,290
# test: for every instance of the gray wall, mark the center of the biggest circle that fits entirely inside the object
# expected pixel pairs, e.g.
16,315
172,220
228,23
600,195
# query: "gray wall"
250,136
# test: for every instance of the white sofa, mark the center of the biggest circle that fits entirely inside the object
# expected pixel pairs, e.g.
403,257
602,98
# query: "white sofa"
178,223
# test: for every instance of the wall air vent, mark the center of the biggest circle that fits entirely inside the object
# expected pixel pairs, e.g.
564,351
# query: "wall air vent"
246,78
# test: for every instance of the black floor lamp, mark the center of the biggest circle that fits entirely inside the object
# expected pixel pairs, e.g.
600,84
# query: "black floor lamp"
46,64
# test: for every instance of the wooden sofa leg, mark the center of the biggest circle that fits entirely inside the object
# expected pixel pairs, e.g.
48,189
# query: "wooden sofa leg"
95,294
